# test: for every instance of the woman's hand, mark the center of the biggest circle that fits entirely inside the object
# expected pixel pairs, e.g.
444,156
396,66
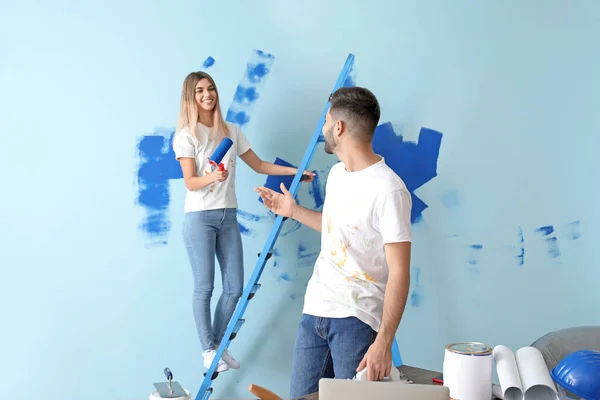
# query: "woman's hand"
311,176
219,176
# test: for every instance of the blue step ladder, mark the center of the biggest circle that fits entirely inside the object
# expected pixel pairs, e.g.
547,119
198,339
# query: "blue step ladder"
252,287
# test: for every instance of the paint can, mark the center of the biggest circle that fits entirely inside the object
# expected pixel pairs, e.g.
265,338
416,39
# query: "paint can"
468,371
156,396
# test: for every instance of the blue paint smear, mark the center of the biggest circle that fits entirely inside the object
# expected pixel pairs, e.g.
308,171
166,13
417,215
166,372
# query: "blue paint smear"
573,230
521,256
551,241
257,71
545,230
248,216
294,226
245,95
238,118
244,230
305,257
450,199
209,62
416,298
315,191
284,276
415,163
157,166
553,250
248,90
473,259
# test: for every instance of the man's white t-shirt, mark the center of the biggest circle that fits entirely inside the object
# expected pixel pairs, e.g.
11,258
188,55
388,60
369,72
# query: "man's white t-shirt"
218,194
363,211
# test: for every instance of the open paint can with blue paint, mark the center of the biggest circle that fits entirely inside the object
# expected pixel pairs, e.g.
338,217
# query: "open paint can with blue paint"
468,370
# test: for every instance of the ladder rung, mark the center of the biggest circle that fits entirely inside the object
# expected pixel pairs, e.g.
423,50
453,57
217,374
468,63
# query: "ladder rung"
253,291
268,255
207,393
238,325
214,376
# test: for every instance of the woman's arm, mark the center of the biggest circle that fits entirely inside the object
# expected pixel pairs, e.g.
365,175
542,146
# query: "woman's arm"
267,168
193,182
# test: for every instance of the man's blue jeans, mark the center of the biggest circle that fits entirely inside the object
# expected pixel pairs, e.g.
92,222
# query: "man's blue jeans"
327,348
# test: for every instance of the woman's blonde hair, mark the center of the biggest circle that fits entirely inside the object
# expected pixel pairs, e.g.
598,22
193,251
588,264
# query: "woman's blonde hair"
188,109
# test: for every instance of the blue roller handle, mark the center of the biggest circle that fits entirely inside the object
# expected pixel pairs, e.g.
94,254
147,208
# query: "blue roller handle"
220,151
168,374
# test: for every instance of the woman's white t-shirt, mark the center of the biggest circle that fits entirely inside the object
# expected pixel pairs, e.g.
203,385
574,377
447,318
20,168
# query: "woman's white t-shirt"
200,148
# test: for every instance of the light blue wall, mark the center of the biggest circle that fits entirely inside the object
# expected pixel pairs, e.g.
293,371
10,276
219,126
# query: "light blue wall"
90,309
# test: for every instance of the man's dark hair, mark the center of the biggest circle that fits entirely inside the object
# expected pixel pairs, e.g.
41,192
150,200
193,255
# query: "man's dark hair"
358,108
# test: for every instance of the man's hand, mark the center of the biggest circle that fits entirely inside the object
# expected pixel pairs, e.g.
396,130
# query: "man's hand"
280,204
378,360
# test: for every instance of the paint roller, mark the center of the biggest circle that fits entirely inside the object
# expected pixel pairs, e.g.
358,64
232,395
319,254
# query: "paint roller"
222,149
219,153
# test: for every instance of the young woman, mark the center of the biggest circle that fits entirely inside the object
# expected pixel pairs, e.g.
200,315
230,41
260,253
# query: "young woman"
210,225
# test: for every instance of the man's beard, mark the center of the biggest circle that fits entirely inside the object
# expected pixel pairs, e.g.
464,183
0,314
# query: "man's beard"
329,142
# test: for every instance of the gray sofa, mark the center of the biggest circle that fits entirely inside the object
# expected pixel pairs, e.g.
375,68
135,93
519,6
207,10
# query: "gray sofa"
556,345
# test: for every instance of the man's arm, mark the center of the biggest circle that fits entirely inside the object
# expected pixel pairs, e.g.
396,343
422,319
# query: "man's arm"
310,218
378,358
397,256
286,206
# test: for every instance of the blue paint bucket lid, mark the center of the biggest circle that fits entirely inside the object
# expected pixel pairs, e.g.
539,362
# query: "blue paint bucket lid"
579,373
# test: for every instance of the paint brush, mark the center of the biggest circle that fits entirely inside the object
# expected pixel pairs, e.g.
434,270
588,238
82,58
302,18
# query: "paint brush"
262,393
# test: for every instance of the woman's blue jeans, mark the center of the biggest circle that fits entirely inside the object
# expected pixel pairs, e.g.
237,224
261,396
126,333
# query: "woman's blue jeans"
206,234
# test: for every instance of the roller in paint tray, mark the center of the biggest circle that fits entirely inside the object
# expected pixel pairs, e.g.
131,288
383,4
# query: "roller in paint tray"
219,153
170,389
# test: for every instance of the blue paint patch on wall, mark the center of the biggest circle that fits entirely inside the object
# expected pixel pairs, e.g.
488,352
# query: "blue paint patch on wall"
415,163
573,230
450,199
521,250
284,276
416,297
247,92
547,232
291,225
473,259
157,167
209,62
305,257
315,192
246,231
553,250
248,216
